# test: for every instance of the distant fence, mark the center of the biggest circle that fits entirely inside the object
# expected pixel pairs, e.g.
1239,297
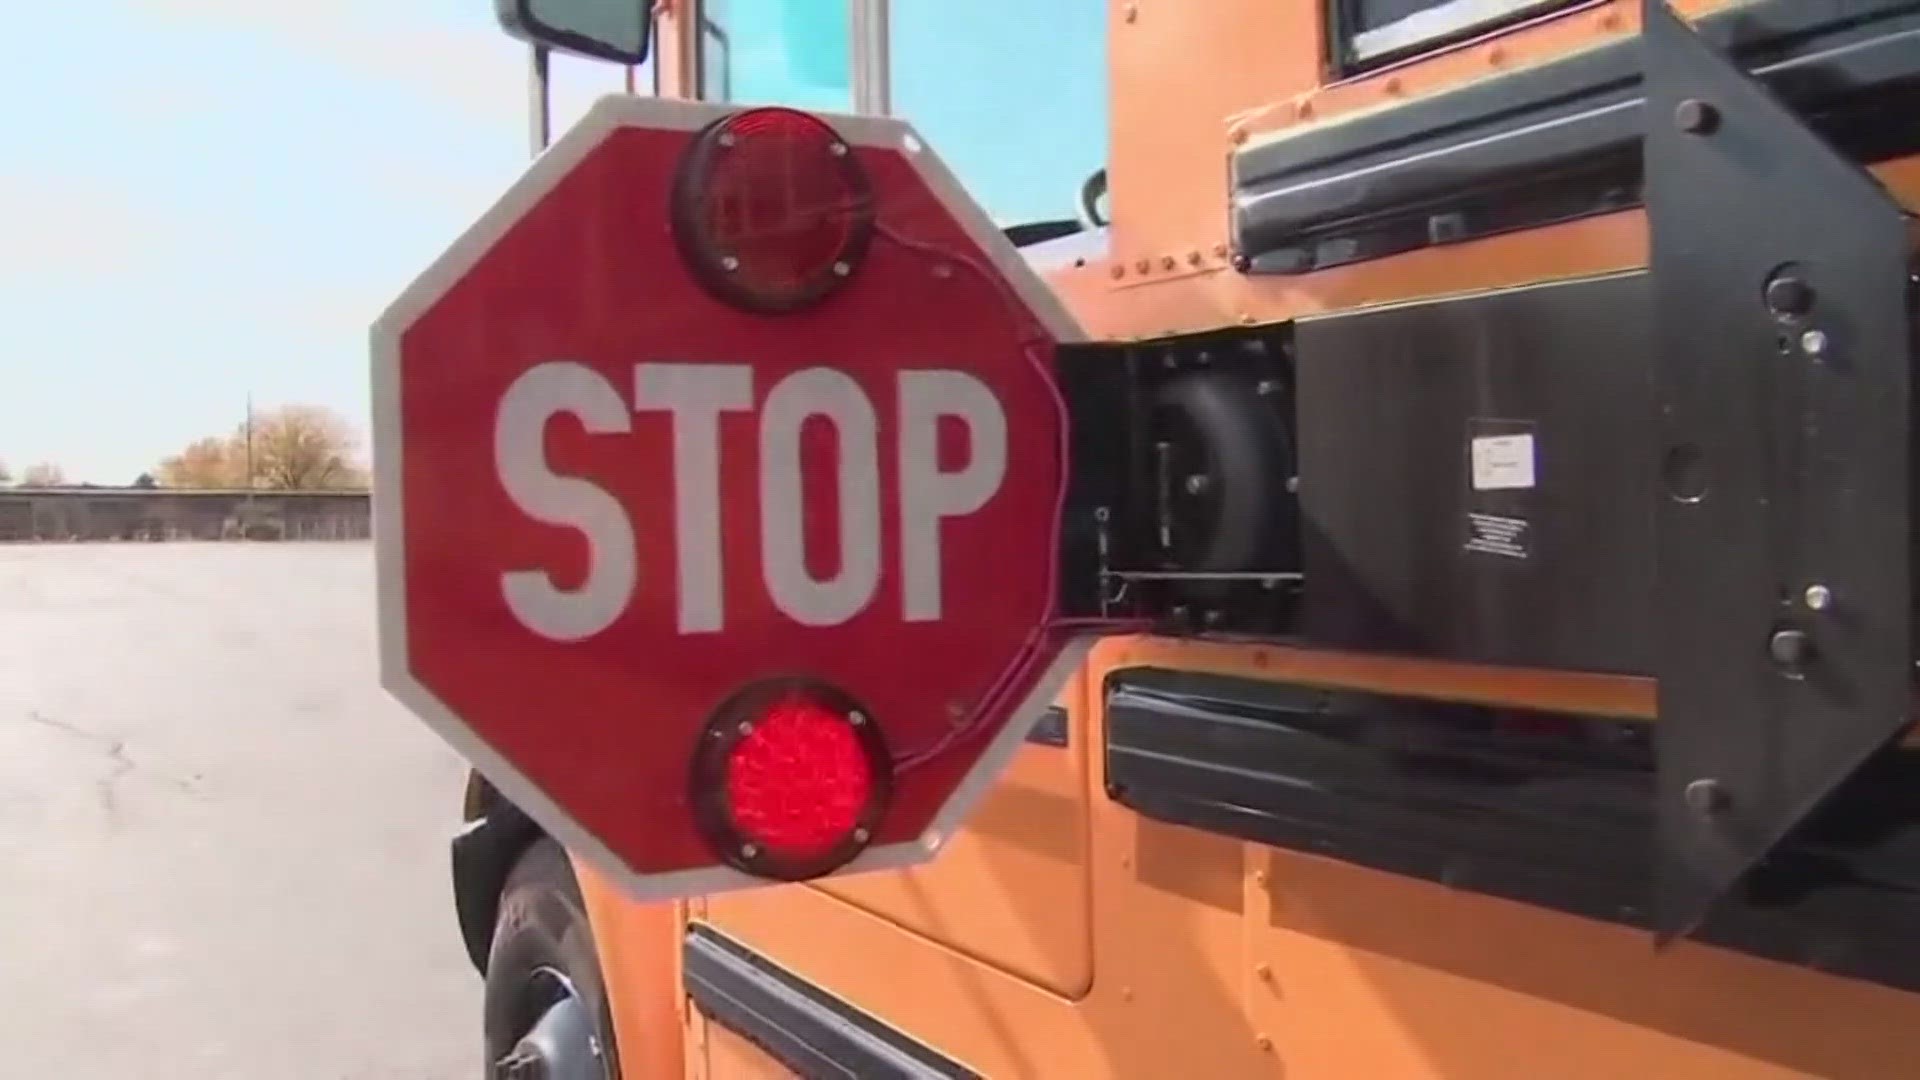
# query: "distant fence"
96,513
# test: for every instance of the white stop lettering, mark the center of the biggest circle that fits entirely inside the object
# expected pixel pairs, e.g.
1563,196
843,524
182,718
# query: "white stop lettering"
694,396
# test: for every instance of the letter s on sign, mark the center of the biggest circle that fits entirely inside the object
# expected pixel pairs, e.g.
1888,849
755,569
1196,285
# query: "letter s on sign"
519,456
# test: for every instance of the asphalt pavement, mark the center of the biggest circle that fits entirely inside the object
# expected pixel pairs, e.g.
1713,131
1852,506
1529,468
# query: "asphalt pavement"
222,847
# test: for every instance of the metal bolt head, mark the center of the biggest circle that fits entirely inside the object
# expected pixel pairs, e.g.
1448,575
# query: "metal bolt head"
1789,295
1791,649
1198,483
856,718
726,138
729,263
842,269
749,851
1818,597
746,727
1707,797
1814,342
861,834
1266,387
1696,117
837,149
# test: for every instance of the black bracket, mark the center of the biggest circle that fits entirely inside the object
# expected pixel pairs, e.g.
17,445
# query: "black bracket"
1782,278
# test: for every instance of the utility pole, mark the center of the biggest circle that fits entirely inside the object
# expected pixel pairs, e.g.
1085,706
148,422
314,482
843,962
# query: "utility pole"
247,518
249,429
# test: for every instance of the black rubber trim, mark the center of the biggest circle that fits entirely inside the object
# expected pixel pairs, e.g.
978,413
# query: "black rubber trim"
1550,809
1050,729
800,1025
1558,141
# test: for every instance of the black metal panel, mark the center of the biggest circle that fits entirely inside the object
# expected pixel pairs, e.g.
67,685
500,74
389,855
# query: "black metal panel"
1404,552
1783,351
1050,729
1550,809
1559,140
1180,507
802,1026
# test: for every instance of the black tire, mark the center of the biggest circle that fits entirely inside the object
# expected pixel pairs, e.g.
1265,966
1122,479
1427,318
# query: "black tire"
541,930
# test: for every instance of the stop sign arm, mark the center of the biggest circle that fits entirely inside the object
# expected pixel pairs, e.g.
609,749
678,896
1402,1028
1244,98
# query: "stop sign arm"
544,445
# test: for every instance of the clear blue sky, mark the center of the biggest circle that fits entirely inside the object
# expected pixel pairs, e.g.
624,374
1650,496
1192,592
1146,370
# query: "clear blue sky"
206,198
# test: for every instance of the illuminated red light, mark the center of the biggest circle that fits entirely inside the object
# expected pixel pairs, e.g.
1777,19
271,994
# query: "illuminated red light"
771,210
799,781
790,779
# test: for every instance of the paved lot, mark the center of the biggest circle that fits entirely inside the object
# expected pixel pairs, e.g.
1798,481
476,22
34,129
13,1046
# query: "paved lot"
222,849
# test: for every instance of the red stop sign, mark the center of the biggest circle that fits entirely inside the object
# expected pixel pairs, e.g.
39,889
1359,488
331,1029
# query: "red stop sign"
613,506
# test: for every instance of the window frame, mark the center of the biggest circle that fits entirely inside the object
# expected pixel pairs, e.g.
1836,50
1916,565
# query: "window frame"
1352,51
866,54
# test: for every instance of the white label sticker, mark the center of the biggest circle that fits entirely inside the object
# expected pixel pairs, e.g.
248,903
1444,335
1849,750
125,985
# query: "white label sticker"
1502,462
1491,534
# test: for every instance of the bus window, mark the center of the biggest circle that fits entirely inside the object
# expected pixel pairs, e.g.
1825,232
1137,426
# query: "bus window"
777,52
1368,32
1011,93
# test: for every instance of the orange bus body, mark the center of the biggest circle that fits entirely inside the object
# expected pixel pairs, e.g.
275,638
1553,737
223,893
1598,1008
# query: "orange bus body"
1065,935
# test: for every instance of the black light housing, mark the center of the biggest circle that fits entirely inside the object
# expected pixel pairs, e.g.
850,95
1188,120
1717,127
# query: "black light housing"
771,210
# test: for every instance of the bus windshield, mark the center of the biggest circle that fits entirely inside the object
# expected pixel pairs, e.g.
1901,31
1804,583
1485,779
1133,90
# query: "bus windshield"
1012,94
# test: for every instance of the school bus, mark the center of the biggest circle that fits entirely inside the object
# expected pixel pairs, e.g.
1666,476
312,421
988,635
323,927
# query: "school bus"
1498,411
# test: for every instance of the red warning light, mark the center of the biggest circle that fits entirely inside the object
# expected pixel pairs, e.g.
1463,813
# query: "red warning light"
771,211
790,780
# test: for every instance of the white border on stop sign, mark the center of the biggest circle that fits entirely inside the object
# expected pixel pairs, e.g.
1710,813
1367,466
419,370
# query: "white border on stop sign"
605,117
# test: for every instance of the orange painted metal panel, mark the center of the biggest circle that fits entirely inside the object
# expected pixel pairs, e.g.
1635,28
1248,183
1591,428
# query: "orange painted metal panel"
1224,959
1200,955
1011,890
639,950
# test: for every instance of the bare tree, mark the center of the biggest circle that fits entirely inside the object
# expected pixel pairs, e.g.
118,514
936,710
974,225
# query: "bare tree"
205,463
303,448
6,474
292,448
43,474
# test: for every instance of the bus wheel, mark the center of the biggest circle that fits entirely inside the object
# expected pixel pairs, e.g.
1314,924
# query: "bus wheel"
546,1015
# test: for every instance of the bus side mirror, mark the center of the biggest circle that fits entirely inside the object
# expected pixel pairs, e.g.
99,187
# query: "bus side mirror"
617,30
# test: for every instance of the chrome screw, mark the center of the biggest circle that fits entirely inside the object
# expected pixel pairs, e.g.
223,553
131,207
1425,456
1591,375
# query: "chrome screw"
1819,598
